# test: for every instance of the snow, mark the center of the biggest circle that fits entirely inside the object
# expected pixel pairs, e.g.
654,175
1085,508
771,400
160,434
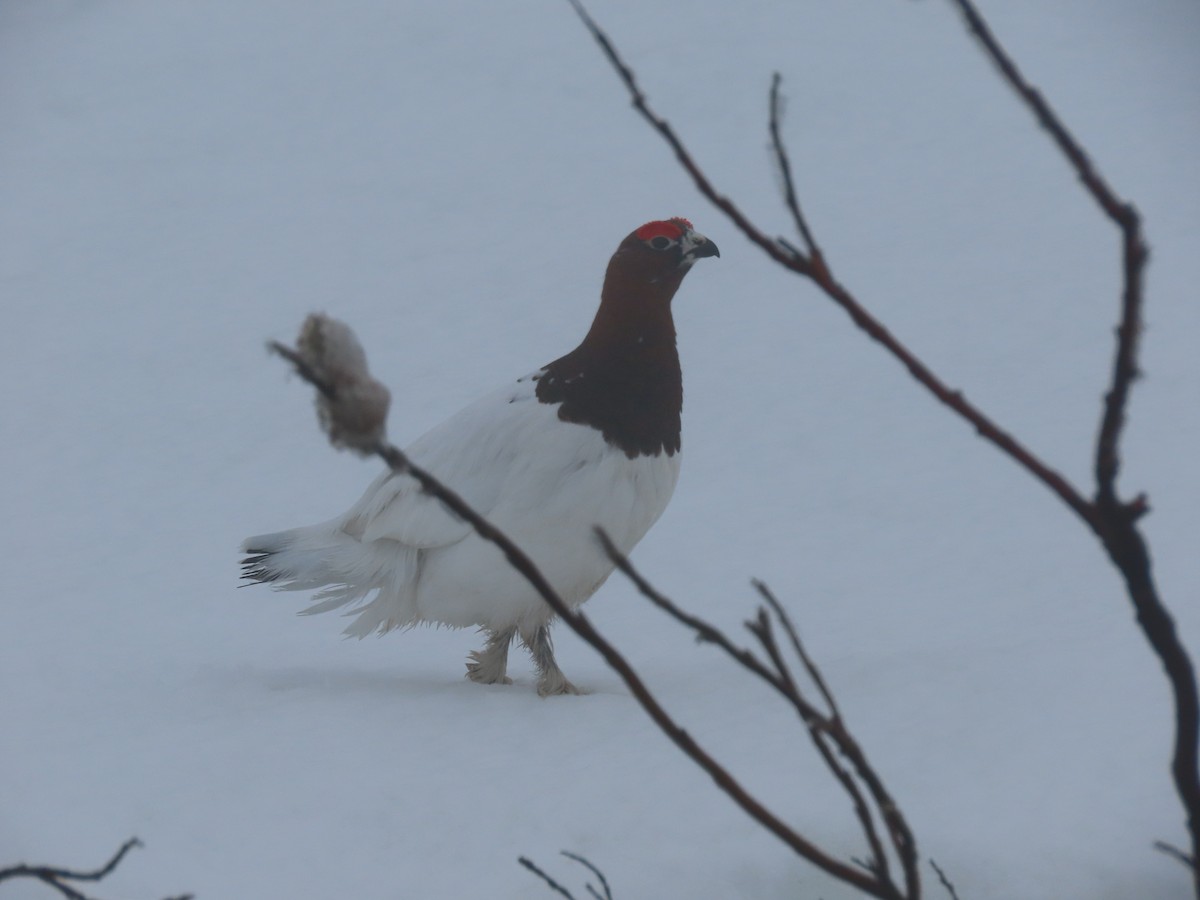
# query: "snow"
184,181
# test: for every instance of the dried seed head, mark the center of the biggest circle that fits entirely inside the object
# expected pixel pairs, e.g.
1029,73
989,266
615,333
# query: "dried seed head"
352,406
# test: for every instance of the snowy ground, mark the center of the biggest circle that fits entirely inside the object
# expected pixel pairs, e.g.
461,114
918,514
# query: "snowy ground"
183,181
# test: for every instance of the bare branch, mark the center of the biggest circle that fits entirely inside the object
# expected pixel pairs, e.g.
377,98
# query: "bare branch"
54,877
794,636
781,255
1114,522
705,631
900,834
760,626
826,733
303,369
1175,853
798,262
554,885
946,882
1135,253
51,875
595,871
532,867
582,626
779,148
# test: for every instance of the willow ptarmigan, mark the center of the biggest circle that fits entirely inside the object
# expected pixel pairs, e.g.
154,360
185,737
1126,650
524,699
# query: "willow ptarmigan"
590,439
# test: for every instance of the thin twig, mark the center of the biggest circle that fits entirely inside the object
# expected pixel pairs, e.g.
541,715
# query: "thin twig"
790,199
946,882
303,369
794,636
824,279
820,727
831,728
899,832
705,631
554,885
760,626
1175,853
1115,521
54,877
1134,251
769,246
823,732
595,871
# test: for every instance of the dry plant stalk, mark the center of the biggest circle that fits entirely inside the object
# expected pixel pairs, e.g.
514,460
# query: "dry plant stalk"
352,406
826,728
562,891
58,879
1111,519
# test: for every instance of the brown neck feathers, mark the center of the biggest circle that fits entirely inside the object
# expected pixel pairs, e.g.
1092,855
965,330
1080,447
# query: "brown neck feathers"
624,378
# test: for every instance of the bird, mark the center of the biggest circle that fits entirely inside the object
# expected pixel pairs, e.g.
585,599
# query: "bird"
589,440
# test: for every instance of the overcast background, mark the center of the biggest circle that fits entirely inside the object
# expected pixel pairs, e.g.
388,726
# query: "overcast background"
182,181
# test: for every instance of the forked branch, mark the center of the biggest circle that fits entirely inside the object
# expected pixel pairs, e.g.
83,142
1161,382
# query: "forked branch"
562,891
64,880
802,263
1112,520
1134,252
869,797
1116,520
336,407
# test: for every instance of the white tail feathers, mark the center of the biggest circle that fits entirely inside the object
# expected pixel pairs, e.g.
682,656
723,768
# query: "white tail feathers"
343,570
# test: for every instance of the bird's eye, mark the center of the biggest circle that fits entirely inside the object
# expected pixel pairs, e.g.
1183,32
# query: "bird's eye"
660,242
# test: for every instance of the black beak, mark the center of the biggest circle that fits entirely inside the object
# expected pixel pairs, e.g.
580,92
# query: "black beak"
708,248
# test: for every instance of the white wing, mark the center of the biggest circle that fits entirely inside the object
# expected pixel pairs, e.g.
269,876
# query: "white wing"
474,452
543,482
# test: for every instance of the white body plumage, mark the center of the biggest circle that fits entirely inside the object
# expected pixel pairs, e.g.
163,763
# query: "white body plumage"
544,482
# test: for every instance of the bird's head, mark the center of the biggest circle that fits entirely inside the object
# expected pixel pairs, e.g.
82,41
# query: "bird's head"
661,252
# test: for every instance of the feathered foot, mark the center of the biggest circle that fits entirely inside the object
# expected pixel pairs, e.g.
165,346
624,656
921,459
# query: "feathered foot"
551,680
487,666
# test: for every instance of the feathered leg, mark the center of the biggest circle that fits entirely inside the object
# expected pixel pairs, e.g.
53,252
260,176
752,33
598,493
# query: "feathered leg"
551,680
487,666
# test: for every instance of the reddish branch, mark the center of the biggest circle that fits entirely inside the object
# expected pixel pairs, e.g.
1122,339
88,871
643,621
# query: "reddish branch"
826,729
811,264
1112,520
901,836
1116,520
1134,253
868,881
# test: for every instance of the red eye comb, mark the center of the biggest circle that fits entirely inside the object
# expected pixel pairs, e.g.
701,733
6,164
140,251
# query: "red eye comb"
671,228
